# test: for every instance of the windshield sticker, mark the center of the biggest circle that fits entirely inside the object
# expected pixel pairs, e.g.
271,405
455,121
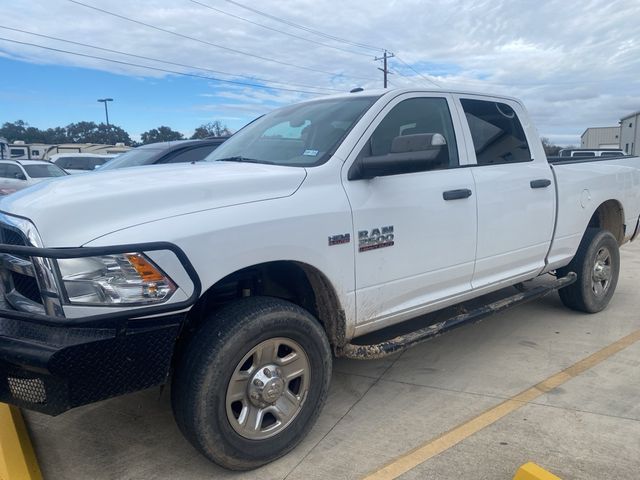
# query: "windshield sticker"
310,153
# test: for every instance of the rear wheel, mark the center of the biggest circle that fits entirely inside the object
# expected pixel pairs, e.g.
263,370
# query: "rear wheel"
252,382
597,264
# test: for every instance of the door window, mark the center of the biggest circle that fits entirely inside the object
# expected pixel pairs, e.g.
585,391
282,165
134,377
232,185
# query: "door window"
414,127
11,171
498,136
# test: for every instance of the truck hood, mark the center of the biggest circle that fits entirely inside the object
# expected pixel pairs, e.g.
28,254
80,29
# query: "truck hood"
73,210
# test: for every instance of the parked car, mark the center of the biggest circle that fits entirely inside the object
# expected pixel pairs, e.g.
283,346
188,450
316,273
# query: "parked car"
18,174
181,151
238,278
80,162
591,152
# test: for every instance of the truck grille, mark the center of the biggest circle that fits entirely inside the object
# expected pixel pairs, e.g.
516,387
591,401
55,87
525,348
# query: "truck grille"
28,390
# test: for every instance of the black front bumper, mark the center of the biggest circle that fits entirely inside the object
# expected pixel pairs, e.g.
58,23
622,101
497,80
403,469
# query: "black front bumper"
51,363
53,369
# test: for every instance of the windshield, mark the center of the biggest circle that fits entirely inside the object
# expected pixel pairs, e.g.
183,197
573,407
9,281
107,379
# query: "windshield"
133,158
80,163
301,135
44,171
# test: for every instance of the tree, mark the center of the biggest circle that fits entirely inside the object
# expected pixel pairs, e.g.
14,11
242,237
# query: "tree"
550,149
90,132
55,135
160,134
13,131
113,134
81,132
211,129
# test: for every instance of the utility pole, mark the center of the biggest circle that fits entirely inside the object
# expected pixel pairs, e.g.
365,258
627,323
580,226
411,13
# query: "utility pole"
106,111
385,70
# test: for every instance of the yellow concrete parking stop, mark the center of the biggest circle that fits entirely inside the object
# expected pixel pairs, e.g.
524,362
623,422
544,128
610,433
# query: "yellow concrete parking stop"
17,458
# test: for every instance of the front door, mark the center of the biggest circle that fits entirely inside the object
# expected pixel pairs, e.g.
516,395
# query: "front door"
415,233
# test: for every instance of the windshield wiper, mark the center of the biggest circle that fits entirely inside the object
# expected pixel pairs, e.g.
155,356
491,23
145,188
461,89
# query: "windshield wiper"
243,160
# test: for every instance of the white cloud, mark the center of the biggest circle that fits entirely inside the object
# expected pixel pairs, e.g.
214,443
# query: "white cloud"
574,65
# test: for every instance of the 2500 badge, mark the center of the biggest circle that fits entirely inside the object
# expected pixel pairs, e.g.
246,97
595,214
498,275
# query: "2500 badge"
377,238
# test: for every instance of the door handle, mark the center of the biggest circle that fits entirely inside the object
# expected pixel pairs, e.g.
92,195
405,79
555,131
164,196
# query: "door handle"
540,183
456,194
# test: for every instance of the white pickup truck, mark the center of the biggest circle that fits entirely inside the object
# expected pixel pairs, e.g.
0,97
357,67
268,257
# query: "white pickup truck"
238,277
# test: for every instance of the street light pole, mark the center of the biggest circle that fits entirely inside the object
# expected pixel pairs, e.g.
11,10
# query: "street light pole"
106,111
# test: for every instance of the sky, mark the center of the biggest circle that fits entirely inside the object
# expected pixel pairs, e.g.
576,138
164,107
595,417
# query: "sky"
575,65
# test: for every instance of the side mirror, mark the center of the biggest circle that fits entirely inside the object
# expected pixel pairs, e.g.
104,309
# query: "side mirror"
409,154
20,176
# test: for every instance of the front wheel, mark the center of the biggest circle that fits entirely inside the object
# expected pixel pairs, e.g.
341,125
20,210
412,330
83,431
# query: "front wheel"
252,382
597,264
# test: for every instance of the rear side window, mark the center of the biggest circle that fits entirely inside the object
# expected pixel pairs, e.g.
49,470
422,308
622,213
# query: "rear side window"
498,136
611,154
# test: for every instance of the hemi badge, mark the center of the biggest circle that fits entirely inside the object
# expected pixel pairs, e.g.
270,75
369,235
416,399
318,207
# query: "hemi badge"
339,239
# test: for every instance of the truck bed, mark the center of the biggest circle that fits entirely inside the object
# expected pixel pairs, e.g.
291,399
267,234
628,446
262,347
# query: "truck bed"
568,160
582,185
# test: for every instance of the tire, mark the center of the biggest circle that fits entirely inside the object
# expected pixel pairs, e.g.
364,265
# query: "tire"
597,264
254,341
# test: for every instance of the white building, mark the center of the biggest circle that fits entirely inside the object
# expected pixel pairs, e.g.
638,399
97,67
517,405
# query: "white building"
630,134
600,137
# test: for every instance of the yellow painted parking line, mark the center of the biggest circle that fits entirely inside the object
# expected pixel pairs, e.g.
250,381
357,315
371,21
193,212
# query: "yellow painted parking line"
456,435
17,458
531,471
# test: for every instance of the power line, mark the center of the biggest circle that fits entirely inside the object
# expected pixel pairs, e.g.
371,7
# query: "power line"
421,75
181,35
167,61
175,72
306,29
277,30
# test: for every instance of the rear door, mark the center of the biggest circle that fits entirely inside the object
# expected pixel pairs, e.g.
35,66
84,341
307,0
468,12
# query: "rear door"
415,243
515,190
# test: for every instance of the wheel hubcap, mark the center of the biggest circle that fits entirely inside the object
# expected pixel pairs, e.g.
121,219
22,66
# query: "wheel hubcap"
268,388
601,273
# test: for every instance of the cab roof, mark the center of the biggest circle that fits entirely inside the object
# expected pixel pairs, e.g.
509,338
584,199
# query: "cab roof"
381,92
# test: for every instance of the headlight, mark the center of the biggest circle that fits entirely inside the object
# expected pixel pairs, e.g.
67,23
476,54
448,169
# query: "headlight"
129,278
